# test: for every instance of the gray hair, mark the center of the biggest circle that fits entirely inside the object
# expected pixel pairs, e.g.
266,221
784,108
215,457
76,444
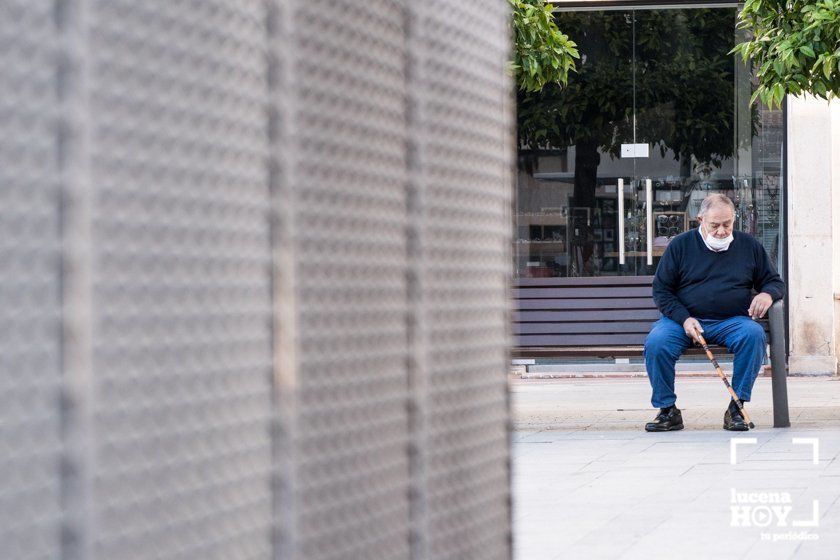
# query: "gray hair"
715,199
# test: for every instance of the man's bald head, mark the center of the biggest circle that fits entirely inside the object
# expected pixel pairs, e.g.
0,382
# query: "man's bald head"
717,214
715,200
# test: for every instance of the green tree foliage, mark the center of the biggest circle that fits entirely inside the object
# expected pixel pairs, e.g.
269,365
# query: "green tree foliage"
795,45
542,54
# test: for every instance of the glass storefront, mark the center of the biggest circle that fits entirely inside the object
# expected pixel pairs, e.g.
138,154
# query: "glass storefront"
614,165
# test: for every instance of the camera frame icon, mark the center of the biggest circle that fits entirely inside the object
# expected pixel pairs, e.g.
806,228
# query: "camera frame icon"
761,509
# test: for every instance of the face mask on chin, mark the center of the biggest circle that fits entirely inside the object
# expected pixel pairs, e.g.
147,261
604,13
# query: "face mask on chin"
714,243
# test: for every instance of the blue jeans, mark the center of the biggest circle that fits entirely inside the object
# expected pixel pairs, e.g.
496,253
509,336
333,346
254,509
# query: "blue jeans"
667,340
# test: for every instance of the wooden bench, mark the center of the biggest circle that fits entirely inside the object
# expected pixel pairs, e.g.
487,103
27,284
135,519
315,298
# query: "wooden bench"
610,317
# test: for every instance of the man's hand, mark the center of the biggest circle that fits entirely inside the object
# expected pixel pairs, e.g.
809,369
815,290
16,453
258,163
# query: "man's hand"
693,329
760,304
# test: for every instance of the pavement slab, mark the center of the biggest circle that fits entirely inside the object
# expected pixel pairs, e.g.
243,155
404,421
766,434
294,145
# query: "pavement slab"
589,483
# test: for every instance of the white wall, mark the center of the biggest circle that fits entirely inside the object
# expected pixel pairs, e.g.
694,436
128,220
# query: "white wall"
813,234
835,191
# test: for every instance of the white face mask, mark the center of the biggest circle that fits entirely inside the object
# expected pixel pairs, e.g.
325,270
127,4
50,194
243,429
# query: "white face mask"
714,243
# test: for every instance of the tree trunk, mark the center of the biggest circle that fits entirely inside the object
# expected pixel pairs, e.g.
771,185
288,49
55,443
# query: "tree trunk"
685,166
587,159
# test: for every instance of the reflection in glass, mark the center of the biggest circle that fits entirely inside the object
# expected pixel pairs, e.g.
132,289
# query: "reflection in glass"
659,79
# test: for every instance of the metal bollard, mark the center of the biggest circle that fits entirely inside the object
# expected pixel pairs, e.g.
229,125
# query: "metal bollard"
778,361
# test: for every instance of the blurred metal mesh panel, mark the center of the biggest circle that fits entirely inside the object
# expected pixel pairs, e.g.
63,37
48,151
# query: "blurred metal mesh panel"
349,182
159,137
30,438
181,343
462,145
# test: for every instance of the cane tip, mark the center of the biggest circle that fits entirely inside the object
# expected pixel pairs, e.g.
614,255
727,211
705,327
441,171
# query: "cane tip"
752,426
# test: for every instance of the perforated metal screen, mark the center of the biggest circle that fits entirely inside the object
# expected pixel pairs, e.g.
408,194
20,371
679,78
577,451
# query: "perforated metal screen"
253,282
30,366
349,168
181,286
462,218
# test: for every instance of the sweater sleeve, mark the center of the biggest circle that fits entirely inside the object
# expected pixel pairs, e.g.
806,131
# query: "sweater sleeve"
665,285
765,278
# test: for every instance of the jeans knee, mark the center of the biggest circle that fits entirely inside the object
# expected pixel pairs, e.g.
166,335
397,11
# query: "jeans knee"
658,345
755,332
751,334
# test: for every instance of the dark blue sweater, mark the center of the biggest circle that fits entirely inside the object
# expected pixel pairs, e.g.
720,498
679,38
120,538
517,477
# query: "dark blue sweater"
694,281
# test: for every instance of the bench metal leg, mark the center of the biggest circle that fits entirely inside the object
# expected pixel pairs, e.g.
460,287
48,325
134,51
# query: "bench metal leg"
781,415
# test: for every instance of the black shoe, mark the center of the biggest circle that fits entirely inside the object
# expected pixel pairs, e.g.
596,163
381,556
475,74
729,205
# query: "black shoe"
733,420
666,421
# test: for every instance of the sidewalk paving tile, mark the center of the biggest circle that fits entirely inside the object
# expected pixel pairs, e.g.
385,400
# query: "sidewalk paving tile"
599,487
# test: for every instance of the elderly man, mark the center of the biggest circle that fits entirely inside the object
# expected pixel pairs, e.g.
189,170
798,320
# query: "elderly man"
704,284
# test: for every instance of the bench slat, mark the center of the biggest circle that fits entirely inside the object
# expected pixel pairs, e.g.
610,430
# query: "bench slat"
602,327
587,281
599,303
578,293
637,339
601,351
561,316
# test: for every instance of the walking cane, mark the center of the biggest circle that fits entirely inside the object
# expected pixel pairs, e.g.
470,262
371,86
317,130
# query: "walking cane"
725,380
